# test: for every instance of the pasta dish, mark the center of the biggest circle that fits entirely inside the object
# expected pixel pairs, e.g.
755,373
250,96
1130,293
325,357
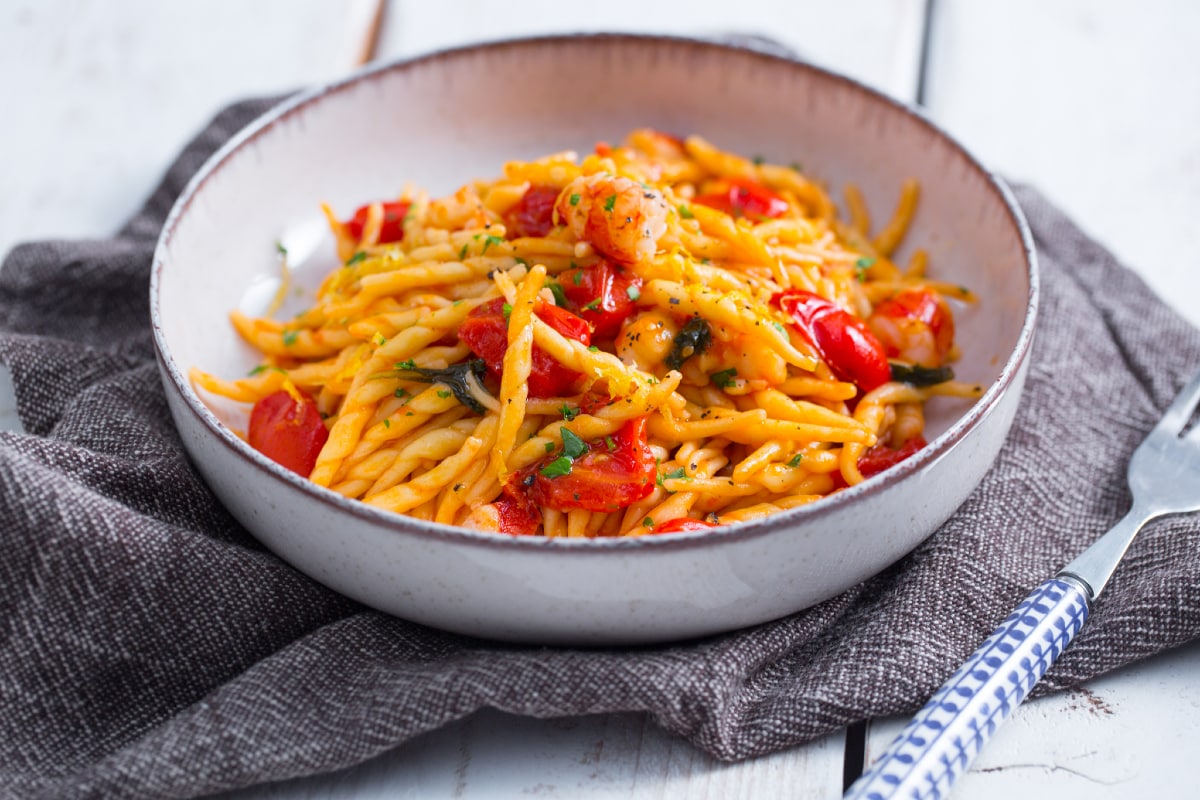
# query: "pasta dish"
659,336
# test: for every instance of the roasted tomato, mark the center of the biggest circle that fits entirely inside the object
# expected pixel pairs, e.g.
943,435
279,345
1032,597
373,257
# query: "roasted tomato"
485,331
392,228
603,294
742,197
915,325
843,340
517,515
683,524
613,473
533,214
880,457
288,431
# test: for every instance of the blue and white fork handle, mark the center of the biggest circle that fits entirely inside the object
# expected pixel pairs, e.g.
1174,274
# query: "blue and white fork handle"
939,743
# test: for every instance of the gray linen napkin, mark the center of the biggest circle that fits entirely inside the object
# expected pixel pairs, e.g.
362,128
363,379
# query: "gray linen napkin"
152,648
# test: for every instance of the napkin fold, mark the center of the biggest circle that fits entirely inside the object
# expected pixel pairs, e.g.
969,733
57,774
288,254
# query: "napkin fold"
151,647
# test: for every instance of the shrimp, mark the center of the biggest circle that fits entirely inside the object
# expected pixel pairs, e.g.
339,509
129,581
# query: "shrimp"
617,216
915,325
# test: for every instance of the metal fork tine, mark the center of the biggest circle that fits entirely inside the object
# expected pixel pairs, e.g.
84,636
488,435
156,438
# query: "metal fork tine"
1180,411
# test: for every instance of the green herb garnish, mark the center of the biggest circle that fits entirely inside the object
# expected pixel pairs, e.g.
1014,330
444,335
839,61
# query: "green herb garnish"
693,338
725,378
610,202
455,377
916,375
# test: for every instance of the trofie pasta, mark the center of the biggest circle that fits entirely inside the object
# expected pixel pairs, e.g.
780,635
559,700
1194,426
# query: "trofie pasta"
660,336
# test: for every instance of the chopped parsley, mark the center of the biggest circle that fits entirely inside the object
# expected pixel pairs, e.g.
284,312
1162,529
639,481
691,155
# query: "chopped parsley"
593,349
648,522
387,423
560,296
378,339
282,250
609,443
568,413
795,460
289,337
261,368
610,202
573,446
357,257
725,378
686,213
557,468
489,241
462,253
549,447
861,266
444,393
592,306
674,474
577,278
506,309
573,200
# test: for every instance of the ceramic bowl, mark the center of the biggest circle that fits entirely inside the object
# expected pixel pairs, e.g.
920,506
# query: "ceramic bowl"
443,119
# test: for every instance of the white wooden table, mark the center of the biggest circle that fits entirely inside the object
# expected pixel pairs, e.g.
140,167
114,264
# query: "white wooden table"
1094,102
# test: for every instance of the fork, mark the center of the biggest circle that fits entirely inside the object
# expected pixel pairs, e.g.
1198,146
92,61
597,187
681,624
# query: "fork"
938,744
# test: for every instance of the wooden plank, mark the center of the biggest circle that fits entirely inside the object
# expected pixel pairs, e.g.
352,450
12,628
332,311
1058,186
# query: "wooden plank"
1094,103
871,41
1121,736
491,755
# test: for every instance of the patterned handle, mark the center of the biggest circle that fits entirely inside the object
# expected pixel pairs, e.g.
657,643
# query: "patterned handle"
940,742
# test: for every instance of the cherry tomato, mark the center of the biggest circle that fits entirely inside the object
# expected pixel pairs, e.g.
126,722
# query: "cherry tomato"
614,473
916,325
533,214
517,515
683,524
742,197
603,294
843,340
392,228
287,431
485,331
880,457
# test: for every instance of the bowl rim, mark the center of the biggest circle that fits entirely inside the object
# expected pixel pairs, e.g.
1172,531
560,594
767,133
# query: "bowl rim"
737,532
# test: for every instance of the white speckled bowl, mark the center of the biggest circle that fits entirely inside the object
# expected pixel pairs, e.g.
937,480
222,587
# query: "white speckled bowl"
441,120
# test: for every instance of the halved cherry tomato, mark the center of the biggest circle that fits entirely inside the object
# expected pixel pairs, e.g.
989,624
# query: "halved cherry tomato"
392,228
287,431
683,524
843,340
915,325
742,197
880,457
485,331
603,294
614,473
533,214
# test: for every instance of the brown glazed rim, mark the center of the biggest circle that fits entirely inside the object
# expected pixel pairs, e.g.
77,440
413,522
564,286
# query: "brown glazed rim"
409,526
